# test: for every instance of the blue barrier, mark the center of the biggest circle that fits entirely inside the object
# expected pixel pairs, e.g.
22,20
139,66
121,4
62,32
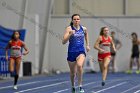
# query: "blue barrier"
4,66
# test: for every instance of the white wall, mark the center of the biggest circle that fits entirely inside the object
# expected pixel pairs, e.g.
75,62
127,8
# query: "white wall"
9,18
98,7
58,52
32,41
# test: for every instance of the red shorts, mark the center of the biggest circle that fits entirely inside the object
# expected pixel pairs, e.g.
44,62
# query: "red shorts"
15,57
104,55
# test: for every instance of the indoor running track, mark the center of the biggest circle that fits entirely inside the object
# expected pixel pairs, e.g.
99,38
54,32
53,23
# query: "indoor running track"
116,83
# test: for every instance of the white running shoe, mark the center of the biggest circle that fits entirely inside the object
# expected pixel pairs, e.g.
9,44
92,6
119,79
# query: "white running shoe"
15,87
81,90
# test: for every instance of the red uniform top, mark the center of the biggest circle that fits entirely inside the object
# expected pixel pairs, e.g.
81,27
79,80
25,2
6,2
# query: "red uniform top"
105,44
15,47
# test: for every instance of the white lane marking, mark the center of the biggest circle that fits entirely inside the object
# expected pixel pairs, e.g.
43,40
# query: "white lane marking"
137,91
29,83
31,89
110,87
76,87
86,85
131,89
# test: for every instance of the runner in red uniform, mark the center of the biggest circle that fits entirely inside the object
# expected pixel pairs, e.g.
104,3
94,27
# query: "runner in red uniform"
103,44
15,45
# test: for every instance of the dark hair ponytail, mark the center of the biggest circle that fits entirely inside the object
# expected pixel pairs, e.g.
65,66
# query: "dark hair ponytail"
71,23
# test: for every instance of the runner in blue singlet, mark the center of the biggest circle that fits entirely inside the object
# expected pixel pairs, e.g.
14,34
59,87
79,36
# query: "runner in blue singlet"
75,34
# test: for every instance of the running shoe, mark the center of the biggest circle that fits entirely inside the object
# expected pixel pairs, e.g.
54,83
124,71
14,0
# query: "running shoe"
129,71
137,71
81,90
15,87
103,83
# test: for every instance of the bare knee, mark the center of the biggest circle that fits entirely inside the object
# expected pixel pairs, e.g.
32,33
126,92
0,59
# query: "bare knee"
105,67
79,67
11,69
80,61
72,74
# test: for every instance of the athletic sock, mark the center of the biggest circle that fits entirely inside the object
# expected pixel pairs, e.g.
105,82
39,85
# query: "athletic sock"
15,79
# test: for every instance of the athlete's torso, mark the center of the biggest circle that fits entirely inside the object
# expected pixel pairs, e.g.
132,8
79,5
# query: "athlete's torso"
105,44
135,47
76,41
15,48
